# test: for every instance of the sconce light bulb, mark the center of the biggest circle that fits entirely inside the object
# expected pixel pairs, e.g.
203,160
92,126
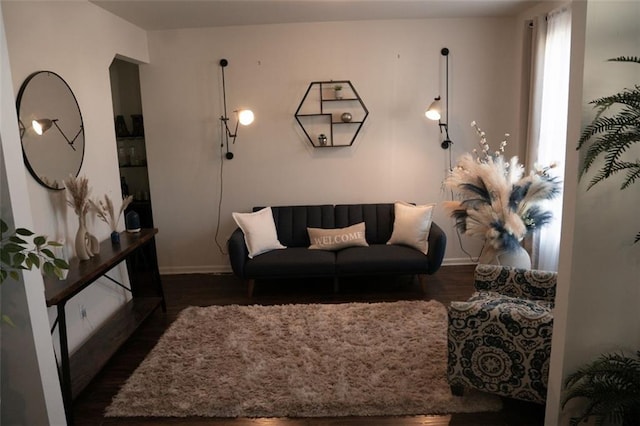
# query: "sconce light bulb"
432,115
245,117
433,112
37,127
41,126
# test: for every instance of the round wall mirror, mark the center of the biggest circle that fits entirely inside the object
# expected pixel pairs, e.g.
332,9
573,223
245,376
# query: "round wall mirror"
51,129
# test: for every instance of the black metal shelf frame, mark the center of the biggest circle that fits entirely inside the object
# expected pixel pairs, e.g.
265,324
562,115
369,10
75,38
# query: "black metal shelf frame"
318,104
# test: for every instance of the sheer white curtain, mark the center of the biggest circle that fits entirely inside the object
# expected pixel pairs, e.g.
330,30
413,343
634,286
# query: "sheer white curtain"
548,120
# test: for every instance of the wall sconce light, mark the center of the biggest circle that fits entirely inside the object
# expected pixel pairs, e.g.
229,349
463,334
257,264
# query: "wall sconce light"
243,116
41,125
434,112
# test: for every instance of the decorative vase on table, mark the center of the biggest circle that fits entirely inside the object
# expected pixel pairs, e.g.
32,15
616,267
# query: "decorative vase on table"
517,258
86,244
498,202
115,237
132,221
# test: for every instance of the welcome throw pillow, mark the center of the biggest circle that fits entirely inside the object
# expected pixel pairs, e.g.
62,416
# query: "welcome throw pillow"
259,230
339,238
412,225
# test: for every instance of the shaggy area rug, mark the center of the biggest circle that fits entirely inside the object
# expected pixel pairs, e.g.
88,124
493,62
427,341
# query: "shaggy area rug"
360,359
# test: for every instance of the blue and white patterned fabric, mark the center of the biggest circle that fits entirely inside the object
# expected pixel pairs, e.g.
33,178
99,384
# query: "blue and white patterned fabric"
500,339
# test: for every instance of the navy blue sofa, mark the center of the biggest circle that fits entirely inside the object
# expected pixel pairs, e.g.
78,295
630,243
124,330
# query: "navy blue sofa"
297,261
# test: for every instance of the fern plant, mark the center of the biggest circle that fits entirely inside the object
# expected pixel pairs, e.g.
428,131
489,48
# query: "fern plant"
614,135
611,384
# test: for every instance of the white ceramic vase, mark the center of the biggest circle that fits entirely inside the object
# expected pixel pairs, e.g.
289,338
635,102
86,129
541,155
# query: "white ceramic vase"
86,244
518,258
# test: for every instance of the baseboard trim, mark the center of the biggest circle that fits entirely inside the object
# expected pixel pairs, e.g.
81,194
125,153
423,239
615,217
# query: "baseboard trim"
214,269
458,261
226,269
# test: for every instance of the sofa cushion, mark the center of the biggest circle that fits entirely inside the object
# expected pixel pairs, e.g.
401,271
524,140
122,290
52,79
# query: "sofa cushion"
378,219
337,238
292,222
411,225
259,231
294,261
380,259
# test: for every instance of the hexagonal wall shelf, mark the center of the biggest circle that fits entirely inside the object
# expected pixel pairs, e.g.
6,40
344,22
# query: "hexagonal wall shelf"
331,118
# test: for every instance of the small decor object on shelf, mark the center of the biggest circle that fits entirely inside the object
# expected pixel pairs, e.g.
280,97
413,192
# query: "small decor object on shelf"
322,139
86,244
132,222
121,127
106,213
138,126
337,90
124,187
60,252
123,159
133,156
346,117
500,204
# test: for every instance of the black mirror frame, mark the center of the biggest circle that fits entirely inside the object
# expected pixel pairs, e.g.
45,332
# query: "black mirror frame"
27,163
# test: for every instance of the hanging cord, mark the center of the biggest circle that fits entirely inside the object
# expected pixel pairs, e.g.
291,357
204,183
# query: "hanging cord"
222,135
469,255
448,146
465,251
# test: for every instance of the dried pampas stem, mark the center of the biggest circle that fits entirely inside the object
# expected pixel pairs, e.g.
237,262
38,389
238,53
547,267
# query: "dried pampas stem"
105,210
498,202
78,188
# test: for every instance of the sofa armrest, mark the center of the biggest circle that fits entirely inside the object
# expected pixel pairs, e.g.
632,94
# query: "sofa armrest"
515,282
238,252
437,245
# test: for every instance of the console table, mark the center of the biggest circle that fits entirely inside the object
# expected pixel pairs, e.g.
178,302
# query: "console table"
76,371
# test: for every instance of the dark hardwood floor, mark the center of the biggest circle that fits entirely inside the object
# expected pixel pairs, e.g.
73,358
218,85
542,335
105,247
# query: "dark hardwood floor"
448,284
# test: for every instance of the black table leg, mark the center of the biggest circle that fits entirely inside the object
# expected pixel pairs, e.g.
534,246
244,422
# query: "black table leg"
67,397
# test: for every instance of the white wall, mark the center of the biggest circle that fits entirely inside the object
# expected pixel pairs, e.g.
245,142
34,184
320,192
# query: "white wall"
78,41
397,68
599,274
30,388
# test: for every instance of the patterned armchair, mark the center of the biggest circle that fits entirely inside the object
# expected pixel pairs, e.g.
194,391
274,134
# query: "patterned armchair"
499,341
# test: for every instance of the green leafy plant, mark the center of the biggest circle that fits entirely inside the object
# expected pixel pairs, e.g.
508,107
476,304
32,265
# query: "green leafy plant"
611,384
614,135
21,250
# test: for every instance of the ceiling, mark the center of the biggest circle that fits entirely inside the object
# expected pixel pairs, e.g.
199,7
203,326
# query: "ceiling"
174,14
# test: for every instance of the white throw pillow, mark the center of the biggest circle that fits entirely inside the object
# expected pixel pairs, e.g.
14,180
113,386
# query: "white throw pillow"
337,238
412,225
259,231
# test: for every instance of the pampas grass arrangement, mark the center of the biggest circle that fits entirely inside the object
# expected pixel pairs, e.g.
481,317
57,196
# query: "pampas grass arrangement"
78,189
106,212
86,244
499,203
